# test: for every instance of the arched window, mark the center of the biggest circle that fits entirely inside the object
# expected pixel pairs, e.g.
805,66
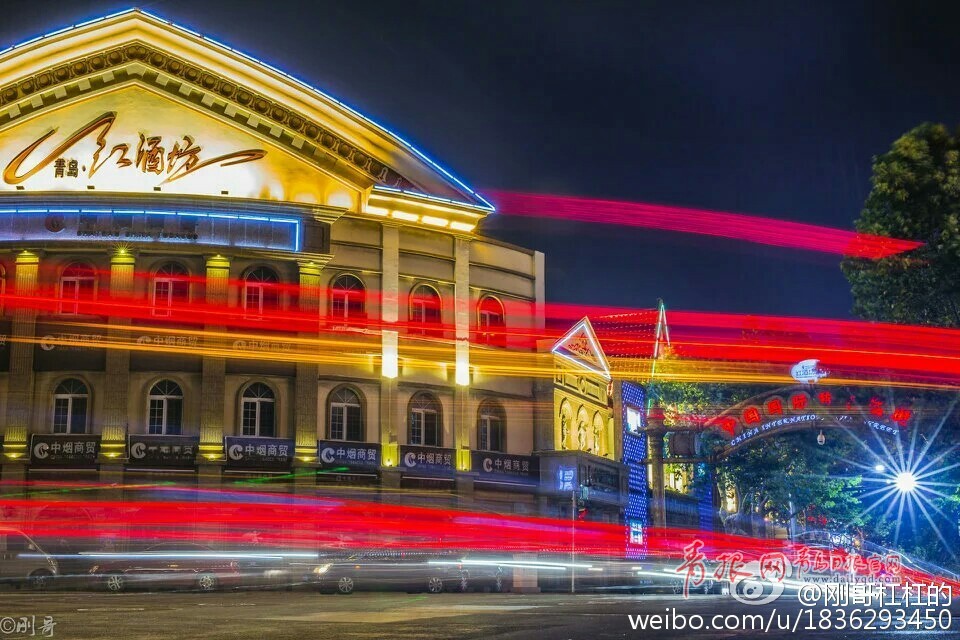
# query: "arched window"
347,298
77,282
426,427
345,415
171,285
165,410
490,322
258,411
491,427
70,402
425,310
261,291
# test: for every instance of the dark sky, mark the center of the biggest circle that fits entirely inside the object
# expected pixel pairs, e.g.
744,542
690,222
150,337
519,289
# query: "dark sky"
767,108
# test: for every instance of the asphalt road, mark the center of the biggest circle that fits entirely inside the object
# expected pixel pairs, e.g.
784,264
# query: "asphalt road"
281,615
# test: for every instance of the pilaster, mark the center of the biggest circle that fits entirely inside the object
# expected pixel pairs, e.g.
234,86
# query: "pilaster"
306,398
117,371
21,379
214,369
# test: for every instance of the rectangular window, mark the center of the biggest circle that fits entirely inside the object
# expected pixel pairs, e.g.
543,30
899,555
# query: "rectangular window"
166,293
155,425
61,411
266,420
78,415
336,422
491,434
174,416
72,291
354,424
416,428
162,297
431,429
249,424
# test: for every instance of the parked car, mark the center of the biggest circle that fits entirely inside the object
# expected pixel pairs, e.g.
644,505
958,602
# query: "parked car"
386,571
180,565
23,562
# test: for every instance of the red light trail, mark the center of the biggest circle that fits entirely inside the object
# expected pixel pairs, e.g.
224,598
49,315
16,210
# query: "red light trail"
736,226
284,522
849,349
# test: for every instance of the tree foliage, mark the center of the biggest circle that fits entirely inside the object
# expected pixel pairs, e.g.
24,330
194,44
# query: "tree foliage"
915,196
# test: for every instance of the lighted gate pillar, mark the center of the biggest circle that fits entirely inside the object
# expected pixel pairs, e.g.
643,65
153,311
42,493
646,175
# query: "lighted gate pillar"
20,381
461,394
213,377
117,376
655,433
306,396
389,357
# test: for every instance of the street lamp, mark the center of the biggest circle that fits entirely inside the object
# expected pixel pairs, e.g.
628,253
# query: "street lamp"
821,439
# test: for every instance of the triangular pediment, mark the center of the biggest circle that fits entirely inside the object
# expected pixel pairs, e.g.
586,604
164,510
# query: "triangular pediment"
580,346
172,86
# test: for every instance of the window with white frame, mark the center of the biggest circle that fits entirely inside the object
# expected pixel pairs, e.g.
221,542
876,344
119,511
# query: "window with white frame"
345,416
491,427
426,427
347,299
425,310
165,408
490,322
258,411
171,285
71,400
78,282
261,291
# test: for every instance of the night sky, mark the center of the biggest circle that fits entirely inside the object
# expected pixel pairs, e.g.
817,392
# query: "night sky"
760,108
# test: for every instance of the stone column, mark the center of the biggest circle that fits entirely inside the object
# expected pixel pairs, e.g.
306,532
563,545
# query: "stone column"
658,500
305,402
20,381
117,371
214,368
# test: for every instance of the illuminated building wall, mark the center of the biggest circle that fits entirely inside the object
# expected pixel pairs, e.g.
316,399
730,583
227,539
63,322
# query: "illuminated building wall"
271,263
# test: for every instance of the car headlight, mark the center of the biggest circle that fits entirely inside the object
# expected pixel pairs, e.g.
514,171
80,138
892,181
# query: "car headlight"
320,570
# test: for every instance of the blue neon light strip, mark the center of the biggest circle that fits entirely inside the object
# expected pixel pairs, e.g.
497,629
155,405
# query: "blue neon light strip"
634,452
195,214
311,88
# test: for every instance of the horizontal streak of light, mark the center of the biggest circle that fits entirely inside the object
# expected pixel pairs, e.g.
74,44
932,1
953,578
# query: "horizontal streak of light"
321,524
768,231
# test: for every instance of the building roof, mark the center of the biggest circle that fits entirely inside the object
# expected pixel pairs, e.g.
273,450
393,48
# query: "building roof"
43,74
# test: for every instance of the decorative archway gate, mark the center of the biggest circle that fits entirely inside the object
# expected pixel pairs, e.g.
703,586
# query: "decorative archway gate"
772,413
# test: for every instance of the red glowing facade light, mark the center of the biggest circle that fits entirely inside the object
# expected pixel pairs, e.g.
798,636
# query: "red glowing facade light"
735,226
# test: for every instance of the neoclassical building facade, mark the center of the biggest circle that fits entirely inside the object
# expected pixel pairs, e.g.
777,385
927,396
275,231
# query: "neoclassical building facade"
210,268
